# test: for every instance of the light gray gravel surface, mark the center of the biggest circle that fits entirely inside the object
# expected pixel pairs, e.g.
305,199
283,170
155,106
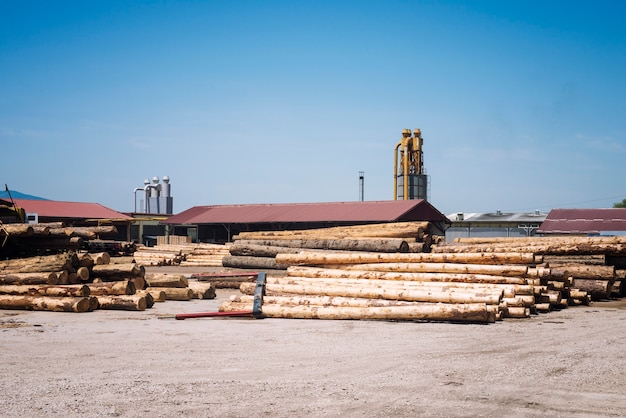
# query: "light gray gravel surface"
570,363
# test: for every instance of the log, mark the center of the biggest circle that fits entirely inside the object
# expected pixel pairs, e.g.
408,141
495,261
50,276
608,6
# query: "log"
383,245
46,290
579,271
261,263
516,312
125,303
597,289
508,290
175,293
42,277
91,232
419,312
155,294
202,290
499,270
488,296
119,270
124,287
54,262
302,271
256,250
328,258
17,230
166,280
45,303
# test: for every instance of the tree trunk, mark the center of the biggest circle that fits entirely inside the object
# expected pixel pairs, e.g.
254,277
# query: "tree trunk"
156,294
119,270
45,303
498,270
55,262
46,290
166,280
487,296
125,303
42,277
428,312
124,287
202,290
175,293
598,289
301,271
252,263
327,258
383,245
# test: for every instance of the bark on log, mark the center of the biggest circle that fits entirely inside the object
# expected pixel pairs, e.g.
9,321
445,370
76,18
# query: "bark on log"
327,258
157,295
17,230
487,296
578,271
202,290
166,280
252,263
46,290
119,270
43,277
125,303
383,245
124,287
302,271
597,289
175,293
419,312
54,262
499,270
45,303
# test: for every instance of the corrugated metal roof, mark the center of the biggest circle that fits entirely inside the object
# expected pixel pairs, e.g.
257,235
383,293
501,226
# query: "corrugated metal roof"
372,211
56,209
584,221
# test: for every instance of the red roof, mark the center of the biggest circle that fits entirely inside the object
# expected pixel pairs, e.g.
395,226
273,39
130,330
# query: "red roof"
373,211
56,209
584,221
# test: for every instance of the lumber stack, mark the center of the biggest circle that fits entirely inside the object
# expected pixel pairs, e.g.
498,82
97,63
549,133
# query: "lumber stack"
258,250
201,254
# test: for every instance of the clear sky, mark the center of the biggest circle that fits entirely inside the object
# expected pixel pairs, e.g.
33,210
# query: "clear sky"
522,104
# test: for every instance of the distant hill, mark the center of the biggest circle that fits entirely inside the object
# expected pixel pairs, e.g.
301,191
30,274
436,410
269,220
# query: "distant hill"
18,195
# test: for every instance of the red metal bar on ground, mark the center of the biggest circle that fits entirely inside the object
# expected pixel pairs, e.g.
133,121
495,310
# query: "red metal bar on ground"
213,314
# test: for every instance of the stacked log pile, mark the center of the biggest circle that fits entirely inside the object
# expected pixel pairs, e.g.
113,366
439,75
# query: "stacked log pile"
201,254
45,238
511,278
179,287
258,250
589,262
71,282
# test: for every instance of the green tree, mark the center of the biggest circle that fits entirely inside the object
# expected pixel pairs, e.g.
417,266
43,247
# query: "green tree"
621,204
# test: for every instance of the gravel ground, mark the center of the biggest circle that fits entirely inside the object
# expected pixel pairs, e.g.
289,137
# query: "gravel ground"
569,363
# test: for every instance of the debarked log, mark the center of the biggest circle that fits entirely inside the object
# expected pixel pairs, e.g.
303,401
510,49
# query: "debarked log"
202,290
477,312
45,303
256,247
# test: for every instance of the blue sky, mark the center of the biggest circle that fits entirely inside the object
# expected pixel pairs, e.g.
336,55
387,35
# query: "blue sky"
521,103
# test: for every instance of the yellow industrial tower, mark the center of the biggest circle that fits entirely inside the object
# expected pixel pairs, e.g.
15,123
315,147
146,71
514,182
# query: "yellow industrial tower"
409,180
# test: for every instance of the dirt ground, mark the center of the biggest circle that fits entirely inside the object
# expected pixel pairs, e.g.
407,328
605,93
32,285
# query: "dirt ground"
570,363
